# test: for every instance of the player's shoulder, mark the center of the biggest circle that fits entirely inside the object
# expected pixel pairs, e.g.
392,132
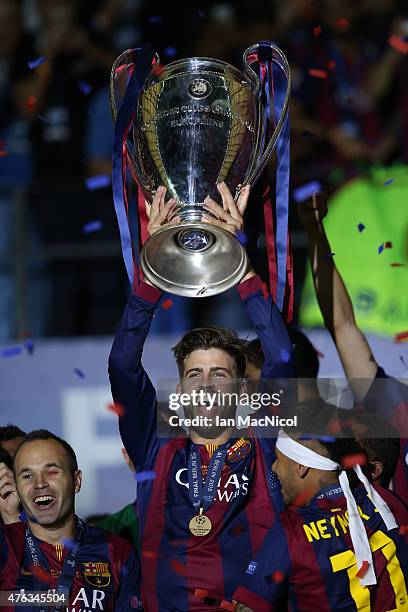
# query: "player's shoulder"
13,531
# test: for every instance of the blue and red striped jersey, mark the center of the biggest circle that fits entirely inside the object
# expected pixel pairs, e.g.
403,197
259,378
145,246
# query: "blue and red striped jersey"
389,398
181,571
106,579
308,557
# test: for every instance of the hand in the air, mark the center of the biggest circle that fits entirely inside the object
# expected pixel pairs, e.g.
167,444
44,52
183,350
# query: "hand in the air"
229,216
9,499
312,212
160,213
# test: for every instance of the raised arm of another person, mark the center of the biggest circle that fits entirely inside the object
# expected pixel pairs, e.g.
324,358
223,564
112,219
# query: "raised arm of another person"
130,385
264,314
334,301
9,499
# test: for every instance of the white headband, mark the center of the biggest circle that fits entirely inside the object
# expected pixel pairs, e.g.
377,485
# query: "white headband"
309,458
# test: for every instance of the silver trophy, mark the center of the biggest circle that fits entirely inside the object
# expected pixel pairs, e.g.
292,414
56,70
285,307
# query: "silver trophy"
198,122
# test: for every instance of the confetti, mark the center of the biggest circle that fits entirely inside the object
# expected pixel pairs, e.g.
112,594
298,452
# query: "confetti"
228,605
401,336
361,227
84,87
380,248
306,191
388,244
29,346
319,353
117,409
302,498
388,182
284,356
276,577
11,351
317,74
79,373
170,51
40,573
3,153
149,554
398,44
178,567
68,544
327,439
31,102
307,134
363,570
36,62
98,181
403,529
167,304
342,24
92,227
350,461
155,19
317,31
397,265
200,593
242,237
142,476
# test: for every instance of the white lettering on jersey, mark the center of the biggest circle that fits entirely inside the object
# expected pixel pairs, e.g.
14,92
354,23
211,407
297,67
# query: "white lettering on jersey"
231,489
81,597
97,598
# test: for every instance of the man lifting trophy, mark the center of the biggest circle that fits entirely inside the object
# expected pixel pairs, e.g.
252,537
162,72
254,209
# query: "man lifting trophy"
190,126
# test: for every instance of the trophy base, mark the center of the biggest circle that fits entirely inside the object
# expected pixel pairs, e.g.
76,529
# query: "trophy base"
193,260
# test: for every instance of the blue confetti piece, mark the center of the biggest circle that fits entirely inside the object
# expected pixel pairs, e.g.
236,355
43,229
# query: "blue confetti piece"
361,227
97,182
326,439
79,373
170,51
36,62
92,226
84,88
29,346
11,351
380,248
142,476
306,191
242,237
68,544
155,19
388,182
284,356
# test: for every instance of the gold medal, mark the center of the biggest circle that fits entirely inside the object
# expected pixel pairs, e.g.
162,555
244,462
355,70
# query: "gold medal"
200,525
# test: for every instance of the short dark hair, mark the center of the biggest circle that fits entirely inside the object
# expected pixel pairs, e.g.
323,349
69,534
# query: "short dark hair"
211,337
9,432
255,353
44,434
6,458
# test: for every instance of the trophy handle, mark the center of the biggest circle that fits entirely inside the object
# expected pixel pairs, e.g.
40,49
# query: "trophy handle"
280,59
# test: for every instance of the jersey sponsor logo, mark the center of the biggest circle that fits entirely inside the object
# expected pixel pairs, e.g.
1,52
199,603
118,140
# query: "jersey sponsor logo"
236,485
251,568
97,573
239,450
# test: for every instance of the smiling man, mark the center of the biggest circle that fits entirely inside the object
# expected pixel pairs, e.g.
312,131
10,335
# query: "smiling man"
55,549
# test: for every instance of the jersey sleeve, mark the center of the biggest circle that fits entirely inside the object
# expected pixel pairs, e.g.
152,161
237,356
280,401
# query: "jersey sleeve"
3,550
264,584
130,385
270,328
129,587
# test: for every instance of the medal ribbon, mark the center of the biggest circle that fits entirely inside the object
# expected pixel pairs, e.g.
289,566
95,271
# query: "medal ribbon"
204,498
70,564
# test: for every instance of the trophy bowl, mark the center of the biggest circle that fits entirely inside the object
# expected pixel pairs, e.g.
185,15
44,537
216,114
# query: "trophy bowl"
198,122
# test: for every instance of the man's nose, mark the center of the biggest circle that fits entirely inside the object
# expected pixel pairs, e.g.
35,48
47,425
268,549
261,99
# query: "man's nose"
40,481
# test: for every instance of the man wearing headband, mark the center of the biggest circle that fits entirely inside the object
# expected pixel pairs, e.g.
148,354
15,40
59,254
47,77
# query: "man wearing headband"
332,548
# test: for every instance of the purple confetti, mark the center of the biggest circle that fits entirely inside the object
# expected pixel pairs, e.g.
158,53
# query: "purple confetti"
36,62
141,476
92,226
284,356
170,51
155,19
306,191
388,182
98,181
79,373
242,237
68,544
11,351
361,227
380,248
84,88
29,345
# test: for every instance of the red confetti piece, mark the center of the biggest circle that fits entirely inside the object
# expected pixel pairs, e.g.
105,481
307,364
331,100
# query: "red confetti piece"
342,24
388,245
401,336
397,265
403,530
116,408
178,567
398,44
200,593
363,570
278,576
318,74
334,426
228,605
31,102
351,460
317,31
331,65
167,304
41,574
301,499
319,353
119,69
3,153
149,554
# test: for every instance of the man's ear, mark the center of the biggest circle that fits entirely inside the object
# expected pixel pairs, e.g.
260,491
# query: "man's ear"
78,481
243,387
301,470
375,469
178,388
